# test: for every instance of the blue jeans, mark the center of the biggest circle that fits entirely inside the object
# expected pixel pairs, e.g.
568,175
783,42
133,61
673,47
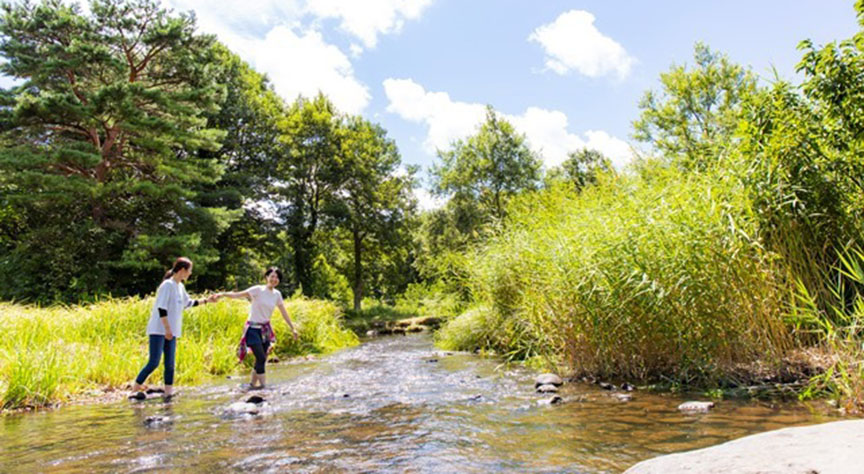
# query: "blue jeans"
158,346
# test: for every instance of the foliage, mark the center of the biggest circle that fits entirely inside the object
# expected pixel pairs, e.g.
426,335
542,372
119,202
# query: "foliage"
692,119
50,354
581,168
488,167
96,172
656,275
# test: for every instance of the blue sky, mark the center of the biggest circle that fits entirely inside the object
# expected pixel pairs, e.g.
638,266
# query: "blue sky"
566,73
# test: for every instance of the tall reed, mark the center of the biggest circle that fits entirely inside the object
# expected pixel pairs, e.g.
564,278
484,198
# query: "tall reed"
648,276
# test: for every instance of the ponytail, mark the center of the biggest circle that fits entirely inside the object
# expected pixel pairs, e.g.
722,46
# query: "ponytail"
179,264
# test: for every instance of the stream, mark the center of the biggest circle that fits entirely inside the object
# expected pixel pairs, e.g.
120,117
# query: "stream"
392,404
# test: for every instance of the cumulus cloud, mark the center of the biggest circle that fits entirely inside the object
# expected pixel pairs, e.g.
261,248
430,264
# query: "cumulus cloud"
297,60
572,42
369,18
303,64
426,201
447,120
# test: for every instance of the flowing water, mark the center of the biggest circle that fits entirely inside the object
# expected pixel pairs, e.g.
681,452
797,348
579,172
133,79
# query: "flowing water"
393,404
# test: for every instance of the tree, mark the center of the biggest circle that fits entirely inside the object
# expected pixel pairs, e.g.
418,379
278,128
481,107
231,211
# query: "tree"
101,138
581,168
374,202
307,175
248,115
488,167
692,120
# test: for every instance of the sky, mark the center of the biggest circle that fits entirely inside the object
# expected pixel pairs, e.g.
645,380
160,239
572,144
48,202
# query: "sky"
567,74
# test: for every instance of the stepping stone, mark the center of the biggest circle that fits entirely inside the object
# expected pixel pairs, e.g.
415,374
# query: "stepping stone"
548,388
548,379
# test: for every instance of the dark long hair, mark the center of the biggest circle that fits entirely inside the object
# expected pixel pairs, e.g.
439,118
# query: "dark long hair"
179,264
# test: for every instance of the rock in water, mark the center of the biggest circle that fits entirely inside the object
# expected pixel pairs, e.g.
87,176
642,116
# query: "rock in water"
551,401
624,397
548,379
696,407
548,388
606,386
836,447
241,408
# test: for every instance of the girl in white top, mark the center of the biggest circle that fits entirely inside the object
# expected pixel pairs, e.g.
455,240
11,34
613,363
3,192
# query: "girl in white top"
166,324
257,335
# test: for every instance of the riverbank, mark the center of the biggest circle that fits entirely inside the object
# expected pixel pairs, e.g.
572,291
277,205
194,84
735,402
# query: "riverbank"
57,354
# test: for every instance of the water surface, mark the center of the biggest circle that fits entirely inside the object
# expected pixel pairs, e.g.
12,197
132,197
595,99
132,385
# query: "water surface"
393,404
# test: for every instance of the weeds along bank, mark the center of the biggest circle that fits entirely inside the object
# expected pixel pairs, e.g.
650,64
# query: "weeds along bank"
49,354
656,275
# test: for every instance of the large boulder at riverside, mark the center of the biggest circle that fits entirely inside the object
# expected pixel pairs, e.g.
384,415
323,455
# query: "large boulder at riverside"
548,379
836,447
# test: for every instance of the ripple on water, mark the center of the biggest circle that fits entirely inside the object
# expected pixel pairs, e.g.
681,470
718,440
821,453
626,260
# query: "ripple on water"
390,405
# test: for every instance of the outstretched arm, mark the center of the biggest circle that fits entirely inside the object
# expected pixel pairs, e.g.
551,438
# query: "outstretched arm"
236,295
287,319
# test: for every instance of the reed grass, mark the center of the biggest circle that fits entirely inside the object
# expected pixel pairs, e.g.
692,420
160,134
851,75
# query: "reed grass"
49,354
655,275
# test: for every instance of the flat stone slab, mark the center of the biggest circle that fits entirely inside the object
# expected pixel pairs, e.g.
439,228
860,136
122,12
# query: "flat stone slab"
829,448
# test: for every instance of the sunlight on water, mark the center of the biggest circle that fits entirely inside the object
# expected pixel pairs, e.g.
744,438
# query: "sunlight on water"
392,404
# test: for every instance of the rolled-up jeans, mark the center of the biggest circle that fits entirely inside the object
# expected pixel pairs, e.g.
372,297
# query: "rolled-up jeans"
158,346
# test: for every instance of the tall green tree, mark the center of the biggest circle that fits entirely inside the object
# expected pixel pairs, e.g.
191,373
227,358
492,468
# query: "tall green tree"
488,167
248,114
580,169
306,176
374,203
693,117
101,139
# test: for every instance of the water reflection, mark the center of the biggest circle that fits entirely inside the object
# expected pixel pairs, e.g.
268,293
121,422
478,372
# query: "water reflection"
391,405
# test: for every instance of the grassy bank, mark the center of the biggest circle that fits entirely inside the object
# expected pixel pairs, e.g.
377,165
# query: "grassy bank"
660,276
51,354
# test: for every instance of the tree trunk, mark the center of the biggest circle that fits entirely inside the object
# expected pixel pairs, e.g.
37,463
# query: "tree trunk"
358,270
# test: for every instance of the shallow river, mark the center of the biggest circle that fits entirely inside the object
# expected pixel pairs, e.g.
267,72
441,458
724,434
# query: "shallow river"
393,404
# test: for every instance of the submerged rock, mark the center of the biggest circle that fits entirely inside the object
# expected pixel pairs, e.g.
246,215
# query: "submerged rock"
548,379
696,407
548,388
555,400
624,397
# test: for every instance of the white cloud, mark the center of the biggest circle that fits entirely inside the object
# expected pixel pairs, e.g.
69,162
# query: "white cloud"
369,18
447,120
305,64
427,201
572,42
545,130
298,61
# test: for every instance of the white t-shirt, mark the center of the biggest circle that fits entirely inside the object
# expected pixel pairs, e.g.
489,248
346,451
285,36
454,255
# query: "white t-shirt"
171,296
264,301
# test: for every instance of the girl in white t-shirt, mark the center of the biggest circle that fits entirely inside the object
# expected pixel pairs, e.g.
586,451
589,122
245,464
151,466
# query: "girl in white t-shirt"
258,333
166,324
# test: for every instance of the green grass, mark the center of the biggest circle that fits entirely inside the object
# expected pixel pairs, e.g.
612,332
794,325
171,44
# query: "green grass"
654,276
51,354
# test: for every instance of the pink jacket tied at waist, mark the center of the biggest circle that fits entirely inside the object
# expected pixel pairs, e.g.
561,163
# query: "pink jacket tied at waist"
266,332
